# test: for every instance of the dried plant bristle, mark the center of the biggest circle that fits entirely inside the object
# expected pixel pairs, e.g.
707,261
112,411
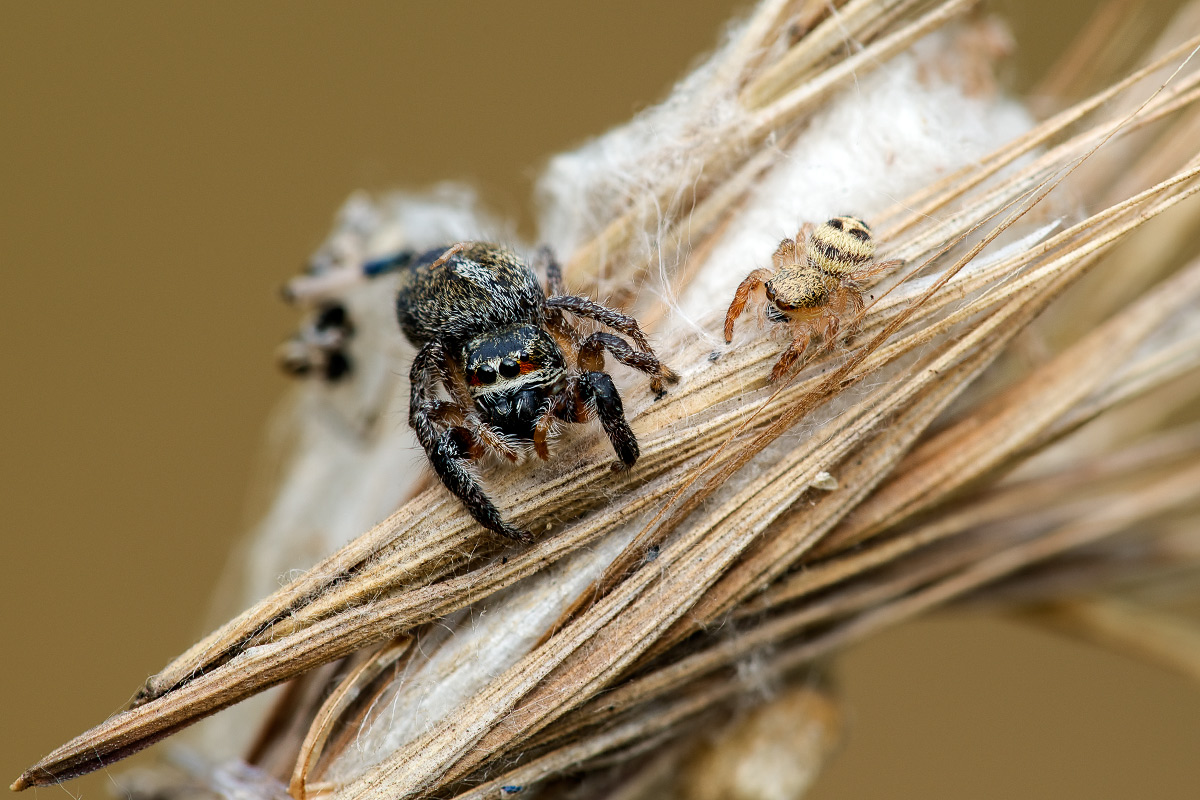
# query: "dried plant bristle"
1010,424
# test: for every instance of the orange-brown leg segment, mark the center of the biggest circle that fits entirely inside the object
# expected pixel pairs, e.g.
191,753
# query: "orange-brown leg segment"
590,358
540,433
785,254
794,350
753,282
844,305
491,438
790,252
552,414
878,269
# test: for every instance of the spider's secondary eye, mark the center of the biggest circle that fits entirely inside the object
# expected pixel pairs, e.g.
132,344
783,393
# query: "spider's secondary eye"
510,368
485,374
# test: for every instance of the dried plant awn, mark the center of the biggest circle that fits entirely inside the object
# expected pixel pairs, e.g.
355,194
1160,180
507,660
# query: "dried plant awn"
983,438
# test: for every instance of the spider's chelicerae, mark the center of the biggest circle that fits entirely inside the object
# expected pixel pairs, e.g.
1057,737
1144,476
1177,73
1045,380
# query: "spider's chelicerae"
492,339
814,285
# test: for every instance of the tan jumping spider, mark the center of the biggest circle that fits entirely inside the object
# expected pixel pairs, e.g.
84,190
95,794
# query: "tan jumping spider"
815,283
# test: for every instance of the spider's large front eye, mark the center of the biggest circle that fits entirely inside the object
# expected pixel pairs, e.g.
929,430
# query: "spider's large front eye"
485,374
510,368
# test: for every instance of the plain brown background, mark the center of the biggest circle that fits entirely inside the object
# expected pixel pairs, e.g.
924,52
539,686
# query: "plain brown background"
167,166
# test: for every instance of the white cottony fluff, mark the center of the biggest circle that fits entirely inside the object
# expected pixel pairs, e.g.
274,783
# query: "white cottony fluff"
898,129
582,190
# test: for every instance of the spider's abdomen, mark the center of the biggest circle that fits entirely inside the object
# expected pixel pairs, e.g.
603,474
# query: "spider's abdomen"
841,246
454,293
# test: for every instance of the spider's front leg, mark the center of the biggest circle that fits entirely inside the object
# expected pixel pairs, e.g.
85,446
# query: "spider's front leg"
598,388
588,391
584,307
622,323
590,358
802,335
450,449
751,283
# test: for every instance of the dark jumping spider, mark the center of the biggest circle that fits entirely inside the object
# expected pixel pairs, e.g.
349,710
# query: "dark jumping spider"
495,342
814,284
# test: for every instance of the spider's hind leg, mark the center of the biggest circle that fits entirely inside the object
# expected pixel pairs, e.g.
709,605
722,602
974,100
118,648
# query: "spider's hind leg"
555,285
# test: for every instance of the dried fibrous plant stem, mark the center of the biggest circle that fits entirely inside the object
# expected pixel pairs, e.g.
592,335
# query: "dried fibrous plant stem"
335,705
1046,499
590,652
889,475
938,195
1150,634
938,577
1076,63
1040,296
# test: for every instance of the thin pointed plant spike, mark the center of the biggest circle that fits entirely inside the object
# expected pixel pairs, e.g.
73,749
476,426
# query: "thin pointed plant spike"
812,512
1170,640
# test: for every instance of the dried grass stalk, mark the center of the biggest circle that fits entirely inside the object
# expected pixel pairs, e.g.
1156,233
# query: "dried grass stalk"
928,459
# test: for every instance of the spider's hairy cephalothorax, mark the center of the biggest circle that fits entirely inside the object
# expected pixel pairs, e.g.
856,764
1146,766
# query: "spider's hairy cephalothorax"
814,284
497,345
